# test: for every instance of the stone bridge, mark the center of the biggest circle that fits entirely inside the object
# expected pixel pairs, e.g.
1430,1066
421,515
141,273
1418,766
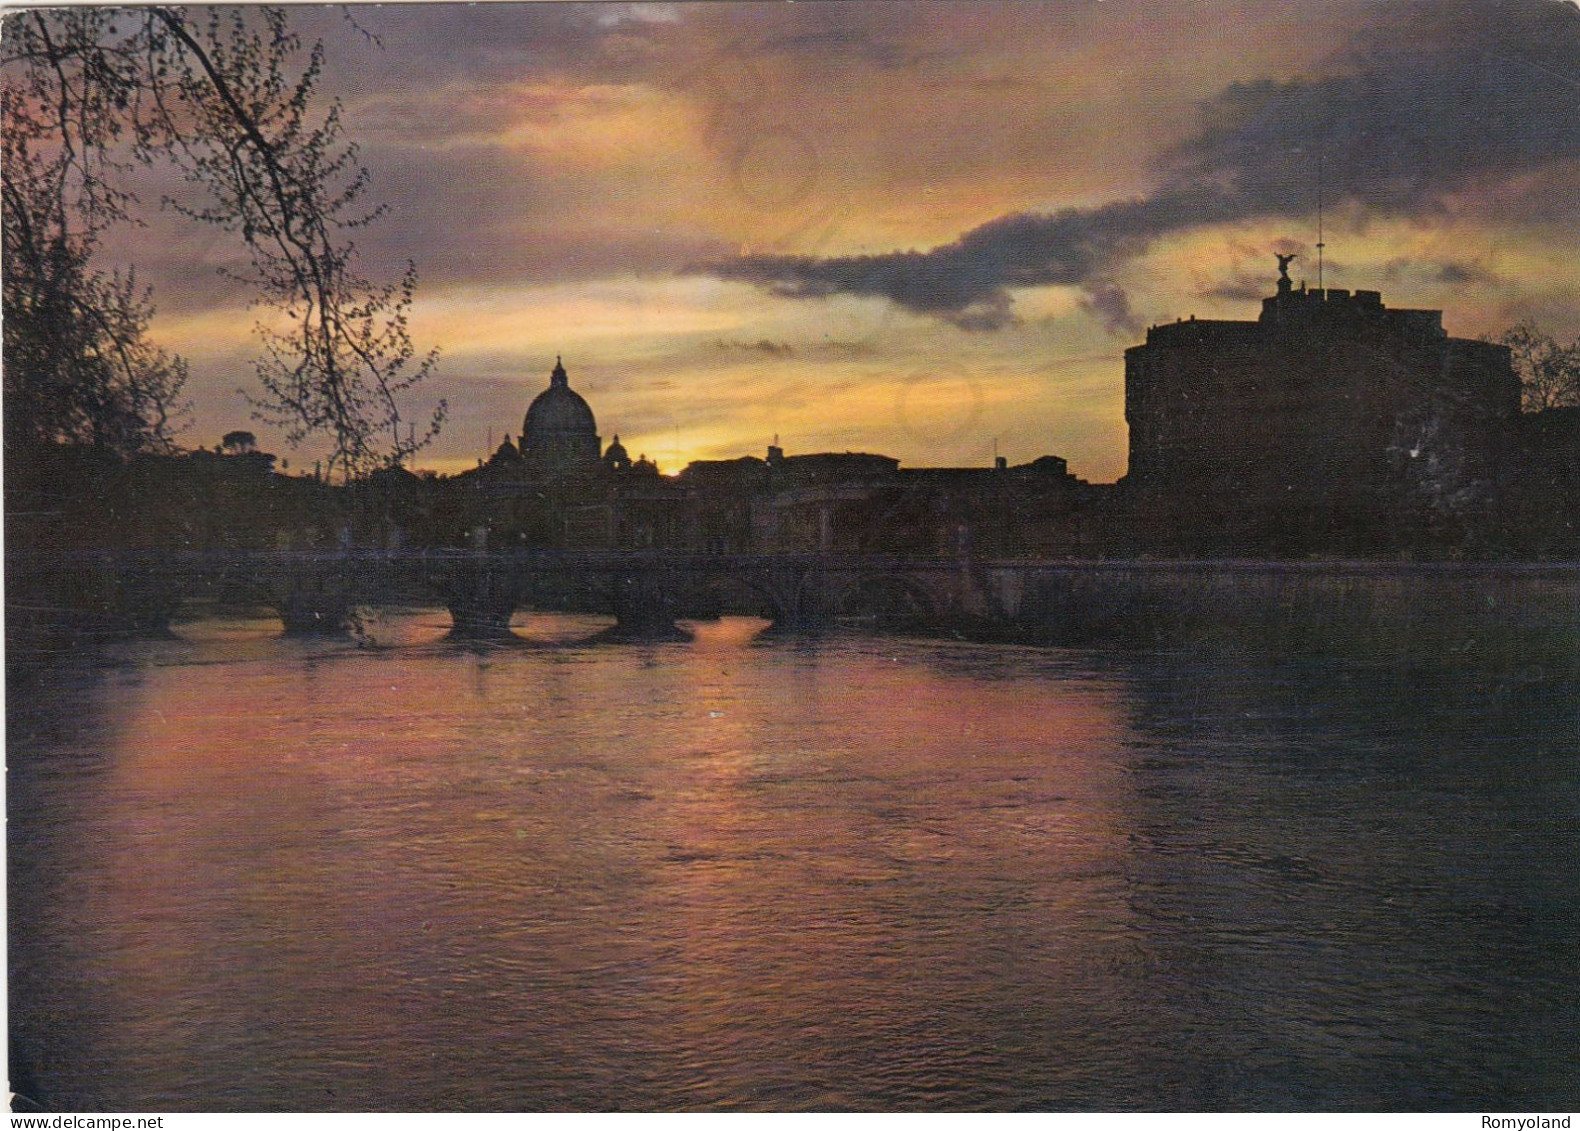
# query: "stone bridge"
645,590
1415,609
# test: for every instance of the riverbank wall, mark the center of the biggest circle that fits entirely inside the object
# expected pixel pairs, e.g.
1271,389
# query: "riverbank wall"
1505,616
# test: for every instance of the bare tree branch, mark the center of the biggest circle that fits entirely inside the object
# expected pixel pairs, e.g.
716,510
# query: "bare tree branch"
230,103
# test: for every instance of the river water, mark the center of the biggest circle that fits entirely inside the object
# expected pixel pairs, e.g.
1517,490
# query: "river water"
250,872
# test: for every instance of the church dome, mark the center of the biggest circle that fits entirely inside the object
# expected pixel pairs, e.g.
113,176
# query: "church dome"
559,430
559,408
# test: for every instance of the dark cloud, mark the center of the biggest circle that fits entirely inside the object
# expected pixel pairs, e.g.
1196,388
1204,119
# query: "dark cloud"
1450,272
966,282
763,346
480,214
1457,274
1109,303
1487,93
847,349
1240,288
784,350
842,35
1403,127
423,45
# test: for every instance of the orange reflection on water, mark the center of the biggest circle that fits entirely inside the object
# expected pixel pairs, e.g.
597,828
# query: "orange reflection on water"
251,872
326,863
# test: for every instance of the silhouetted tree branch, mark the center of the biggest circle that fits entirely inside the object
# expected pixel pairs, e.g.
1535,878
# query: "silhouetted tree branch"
78,365
230,103
1549,372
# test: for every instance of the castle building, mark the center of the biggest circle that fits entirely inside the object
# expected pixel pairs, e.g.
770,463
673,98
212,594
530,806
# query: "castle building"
1331,424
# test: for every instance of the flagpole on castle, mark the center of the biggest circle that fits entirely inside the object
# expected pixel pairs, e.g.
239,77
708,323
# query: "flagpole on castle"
1320,244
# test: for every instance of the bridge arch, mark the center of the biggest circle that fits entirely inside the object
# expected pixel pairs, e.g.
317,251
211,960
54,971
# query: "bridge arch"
888,598
727,593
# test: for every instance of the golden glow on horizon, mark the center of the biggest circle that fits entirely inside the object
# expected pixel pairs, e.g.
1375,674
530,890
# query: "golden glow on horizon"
616,314
553,200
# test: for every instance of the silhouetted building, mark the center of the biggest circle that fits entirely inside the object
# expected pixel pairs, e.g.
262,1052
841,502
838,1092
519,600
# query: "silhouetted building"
559,490
1333,424
1540,501
559,434
855,503
616,457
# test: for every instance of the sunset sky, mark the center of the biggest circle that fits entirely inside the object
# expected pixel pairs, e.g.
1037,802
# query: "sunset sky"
913,229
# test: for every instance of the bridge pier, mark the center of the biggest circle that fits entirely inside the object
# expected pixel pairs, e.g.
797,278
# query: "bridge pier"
805,608
802,622
481,602
475,620
644,609
312,608
139,606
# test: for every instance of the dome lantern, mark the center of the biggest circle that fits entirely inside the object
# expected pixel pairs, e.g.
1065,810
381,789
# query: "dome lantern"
617,457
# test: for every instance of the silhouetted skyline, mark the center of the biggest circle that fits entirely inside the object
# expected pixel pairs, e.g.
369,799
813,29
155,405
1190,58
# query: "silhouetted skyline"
925,230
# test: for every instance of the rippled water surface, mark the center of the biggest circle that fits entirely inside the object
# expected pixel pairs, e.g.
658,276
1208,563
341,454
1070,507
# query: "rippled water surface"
259,873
